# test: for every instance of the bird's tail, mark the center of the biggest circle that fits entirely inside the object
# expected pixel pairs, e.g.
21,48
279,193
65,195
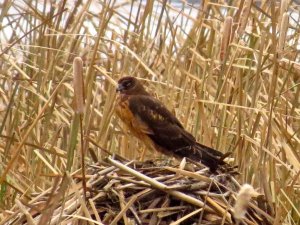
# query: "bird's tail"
210,157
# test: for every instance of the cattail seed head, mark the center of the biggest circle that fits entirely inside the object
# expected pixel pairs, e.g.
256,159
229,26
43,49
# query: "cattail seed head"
226,38
78,85
244,17
242,201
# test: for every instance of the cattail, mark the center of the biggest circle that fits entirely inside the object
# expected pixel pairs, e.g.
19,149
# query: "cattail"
244,17
226,38
242,201
283,31
78,85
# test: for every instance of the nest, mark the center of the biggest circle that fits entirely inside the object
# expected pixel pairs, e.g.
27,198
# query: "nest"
129,192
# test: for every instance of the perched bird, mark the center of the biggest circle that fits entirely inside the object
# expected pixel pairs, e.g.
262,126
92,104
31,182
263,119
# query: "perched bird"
150,121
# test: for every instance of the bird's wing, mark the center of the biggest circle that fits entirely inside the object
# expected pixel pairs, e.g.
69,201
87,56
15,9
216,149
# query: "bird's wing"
151,110
162,126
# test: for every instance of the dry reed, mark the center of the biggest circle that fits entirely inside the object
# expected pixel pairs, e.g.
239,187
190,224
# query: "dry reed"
284,23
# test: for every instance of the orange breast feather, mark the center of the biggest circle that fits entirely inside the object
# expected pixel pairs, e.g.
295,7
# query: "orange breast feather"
132,122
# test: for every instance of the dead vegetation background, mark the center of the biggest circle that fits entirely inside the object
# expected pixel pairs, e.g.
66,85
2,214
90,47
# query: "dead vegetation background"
229,70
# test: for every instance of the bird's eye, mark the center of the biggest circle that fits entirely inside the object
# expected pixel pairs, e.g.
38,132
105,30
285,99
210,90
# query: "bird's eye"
127,84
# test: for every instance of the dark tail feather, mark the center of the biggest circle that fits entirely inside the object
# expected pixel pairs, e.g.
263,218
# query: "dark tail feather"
212,151
206,155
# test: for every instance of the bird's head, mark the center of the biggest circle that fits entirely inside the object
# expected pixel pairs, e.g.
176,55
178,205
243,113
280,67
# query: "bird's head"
130,86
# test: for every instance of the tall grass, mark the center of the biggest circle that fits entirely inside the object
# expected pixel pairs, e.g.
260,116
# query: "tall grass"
229,70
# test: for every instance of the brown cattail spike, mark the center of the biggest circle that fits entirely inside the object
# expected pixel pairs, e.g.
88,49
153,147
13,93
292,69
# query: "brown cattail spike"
244,17
226,38
78,85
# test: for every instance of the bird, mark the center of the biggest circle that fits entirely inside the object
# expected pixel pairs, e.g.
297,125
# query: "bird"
149,120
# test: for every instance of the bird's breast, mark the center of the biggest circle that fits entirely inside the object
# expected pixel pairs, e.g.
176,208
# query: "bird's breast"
123,111
132,122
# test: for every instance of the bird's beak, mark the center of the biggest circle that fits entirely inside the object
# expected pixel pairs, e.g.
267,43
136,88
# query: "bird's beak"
119,88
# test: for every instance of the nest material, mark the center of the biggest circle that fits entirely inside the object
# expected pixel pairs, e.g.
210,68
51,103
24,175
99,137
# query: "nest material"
139,193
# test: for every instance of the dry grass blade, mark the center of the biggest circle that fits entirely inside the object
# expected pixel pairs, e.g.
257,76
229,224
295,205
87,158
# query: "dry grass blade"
190,174
283,32
25,212
54,200
186,217
127,206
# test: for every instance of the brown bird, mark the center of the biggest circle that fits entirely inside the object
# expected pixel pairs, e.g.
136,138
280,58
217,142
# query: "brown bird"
150,121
